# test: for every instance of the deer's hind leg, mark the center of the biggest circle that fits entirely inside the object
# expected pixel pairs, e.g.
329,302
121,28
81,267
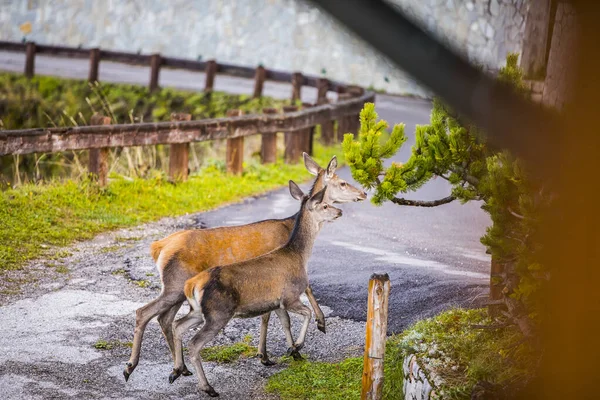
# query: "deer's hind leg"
297,307
211,328
165,321
143,315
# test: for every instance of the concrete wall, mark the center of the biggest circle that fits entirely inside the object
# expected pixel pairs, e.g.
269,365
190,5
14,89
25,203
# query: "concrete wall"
282,34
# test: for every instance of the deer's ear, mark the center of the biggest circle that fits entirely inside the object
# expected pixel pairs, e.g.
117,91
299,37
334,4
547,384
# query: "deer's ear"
316,199
331,167
295,191
311,165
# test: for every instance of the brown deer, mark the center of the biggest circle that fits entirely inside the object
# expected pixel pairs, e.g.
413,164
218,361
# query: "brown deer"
271,282
184,254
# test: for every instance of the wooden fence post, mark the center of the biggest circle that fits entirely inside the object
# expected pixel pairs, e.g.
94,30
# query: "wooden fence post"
322,88
235,149
98,162
268,150
297,82
94,65
155,62
307,136
344,122
377,316
179,153
210,71
30,59
259,80
292,141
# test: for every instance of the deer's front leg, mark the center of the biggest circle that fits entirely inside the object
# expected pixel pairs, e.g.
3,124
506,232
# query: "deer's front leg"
319,317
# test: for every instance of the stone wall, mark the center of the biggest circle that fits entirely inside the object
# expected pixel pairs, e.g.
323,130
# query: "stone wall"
418,384
281,34
560,68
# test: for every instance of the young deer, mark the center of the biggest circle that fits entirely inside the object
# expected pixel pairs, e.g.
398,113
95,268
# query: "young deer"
271,282
184,254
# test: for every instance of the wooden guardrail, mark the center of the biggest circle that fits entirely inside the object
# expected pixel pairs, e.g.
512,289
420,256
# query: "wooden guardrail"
297,124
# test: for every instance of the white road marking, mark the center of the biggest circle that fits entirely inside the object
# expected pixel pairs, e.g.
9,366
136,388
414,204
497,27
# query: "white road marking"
395,258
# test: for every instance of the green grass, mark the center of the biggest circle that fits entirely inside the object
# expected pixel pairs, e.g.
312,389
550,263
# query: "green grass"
102,344
459,353
229,353
35,218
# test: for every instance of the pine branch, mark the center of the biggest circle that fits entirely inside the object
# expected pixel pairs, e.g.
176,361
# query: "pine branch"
422,203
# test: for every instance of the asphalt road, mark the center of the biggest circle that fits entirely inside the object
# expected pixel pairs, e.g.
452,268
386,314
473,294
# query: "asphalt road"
47,335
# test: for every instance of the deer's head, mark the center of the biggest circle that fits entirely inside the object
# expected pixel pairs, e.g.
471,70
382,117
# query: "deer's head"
337,189
319,210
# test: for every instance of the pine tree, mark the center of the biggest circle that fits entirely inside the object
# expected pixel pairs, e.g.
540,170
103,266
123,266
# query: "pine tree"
452,149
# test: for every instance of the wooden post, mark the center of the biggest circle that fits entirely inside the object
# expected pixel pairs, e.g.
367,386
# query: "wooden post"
98,162
344,122
307,136
30,59
179,153
94,65
495,288
377,316
210,71
297,82
259,80
322,88
235,149
292,141
268,150
155,62
536,39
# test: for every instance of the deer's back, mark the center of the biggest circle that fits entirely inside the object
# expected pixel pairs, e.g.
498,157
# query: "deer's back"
197,250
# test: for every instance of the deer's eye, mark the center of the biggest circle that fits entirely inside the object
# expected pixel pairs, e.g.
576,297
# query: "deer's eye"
325,207
343,184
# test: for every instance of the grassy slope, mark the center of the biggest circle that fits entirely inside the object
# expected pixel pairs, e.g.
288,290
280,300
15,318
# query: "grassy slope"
33,218
461,354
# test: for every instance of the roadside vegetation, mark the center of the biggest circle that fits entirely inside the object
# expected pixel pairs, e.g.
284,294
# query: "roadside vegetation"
44,101
456,345
34,218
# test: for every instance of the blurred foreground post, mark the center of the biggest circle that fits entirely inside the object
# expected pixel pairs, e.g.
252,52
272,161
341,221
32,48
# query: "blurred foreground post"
377,316
179,153
235,149
98,162
268,150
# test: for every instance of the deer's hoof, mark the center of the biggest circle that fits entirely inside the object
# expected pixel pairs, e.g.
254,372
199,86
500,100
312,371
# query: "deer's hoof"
186,372
266,362
294,353
211,392
174,375
321,326
128,370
